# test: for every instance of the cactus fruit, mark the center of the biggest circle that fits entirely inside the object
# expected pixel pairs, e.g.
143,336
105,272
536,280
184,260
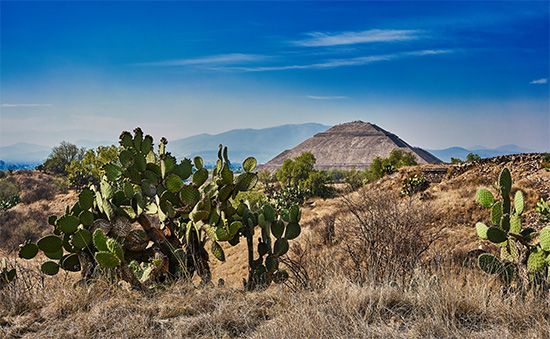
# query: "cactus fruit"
515,242
110,224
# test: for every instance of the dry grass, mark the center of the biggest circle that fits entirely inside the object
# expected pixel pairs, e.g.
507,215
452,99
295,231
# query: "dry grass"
325,299
444,304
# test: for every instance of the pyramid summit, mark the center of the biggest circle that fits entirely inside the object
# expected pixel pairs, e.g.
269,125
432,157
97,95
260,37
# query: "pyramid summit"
351,145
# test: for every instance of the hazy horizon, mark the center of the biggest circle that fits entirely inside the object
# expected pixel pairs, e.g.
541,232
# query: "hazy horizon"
436,74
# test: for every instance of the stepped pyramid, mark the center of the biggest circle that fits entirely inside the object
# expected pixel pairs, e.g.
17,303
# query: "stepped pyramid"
350,145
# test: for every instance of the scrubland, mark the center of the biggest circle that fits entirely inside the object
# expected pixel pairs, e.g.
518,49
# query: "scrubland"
368,264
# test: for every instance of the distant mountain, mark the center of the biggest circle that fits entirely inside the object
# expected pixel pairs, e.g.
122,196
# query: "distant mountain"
24,153
262,143
461,153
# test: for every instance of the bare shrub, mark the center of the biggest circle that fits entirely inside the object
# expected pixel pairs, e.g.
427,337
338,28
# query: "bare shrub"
385,236
326,228
16,227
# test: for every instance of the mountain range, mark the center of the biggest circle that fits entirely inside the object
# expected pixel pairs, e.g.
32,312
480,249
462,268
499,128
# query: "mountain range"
459,152
263,143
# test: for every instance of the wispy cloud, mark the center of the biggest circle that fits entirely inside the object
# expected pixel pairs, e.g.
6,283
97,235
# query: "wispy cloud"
539,81
25,105
326,97
323,39
219,59
334,63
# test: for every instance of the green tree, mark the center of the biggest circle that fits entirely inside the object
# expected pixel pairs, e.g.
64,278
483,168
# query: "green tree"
296,170
354,178
61,156
316,184
472,157
456,161
89,169
384,166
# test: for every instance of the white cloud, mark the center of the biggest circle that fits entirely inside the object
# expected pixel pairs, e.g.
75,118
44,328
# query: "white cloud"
326,97
220,59
26,105
357,61
539,81
320,39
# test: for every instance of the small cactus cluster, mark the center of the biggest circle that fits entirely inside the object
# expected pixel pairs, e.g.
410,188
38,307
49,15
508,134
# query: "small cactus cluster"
543,209
414,184
110,226
521,249
284,227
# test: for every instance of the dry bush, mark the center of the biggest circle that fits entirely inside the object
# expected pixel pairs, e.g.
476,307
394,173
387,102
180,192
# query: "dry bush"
16,226
385,236
34,186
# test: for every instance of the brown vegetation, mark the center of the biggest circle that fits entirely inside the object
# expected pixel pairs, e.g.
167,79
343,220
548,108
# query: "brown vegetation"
369,264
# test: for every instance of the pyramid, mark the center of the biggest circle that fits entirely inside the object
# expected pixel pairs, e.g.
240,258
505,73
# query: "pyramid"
350,145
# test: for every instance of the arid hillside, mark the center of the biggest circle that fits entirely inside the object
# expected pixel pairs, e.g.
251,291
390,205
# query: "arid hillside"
419,281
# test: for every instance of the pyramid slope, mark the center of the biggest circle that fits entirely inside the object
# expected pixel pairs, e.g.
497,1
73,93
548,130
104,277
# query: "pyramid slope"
351,145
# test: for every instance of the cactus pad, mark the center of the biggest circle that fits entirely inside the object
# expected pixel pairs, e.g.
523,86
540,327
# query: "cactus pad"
115,248
49,268
292,230
70,263
107,259
535,262
280,247
496,235
545,238
173,183
249,164
68,224
485,198
200,177
519,202
481,230
50,243
277,229
86,218
489,263
190,195
28,251
86,199
100,240
515,224
81,239
505,182
217,251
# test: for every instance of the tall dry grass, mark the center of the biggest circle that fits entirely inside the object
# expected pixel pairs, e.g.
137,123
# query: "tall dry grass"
442,304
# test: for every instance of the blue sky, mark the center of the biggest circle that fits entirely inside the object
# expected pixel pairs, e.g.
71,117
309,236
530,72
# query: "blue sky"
435,73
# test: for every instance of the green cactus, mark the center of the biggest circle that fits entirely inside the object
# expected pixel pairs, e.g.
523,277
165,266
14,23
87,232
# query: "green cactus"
521,249
7,273
110,225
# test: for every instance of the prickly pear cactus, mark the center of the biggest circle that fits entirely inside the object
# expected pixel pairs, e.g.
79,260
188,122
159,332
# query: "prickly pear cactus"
524,252
110,226
7,273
